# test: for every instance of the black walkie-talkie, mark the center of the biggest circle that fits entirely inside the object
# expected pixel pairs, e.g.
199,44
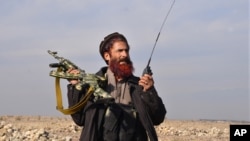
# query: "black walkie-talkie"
148,70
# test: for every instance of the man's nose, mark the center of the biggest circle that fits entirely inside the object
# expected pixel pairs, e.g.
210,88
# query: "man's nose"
124,54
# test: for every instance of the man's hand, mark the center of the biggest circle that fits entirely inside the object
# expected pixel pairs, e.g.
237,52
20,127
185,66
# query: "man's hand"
73,71
146,81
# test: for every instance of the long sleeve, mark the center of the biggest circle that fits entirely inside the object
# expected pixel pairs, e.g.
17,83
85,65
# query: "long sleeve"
150,100
154,105
74,97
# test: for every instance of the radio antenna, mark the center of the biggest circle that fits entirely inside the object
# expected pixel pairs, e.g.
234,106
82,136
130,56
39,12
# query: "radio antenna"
160,32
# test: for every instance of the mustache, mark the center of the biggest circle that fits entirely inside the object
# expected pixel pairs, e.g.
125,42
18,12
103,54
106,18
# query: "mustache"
127,60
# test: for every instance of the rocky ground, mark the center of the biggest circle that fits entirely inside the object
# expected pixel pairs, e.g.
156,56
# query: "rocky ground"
41,128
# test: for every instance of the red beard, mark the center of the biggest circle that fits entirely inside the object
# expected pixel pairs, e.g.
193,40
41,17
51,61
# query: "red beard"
122,70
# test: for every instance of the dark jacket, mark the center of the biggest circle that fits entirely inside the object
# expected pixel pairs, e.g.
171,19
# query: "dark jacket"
149,106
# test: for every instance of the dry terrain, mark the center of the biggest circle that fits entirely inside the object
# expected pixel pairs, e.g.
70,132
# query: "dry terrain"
41,128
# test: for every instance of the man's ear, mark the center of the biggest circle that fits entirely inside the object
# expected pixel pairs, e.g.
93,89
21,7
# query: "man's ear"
106,56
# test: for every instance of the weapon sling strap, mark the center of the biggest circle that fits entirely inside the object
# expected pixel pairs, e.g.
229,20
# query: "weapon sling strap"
74,108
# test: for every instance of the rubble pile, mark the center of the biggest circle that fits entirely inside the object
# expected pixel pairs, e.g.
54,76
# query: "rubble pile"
8,132
20,129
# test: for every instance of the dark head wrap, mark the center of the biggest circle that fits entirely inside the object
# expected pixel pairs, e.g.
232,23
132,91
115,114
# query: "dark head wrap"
108,41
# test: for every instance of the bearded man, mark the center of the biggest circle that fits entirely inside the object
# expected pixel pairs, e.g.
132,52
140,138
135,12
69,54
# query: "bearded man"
136,106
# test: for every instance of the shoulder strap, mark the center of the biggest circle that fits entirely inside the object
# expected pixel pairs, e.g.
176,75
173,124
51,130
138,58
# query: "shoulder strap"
74,108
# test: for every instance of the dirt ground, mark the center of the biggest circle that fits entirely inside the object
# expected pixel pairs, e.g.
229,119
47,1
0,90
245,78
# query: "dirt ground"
169,130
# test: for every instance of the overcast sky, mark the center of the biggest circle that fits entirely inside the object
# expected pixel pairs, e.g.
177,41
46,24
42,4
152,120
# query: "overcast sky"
200,64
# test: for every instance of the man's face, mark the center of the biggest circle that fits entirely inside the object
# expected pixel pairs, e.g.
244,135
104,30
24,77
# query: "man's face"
119,60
